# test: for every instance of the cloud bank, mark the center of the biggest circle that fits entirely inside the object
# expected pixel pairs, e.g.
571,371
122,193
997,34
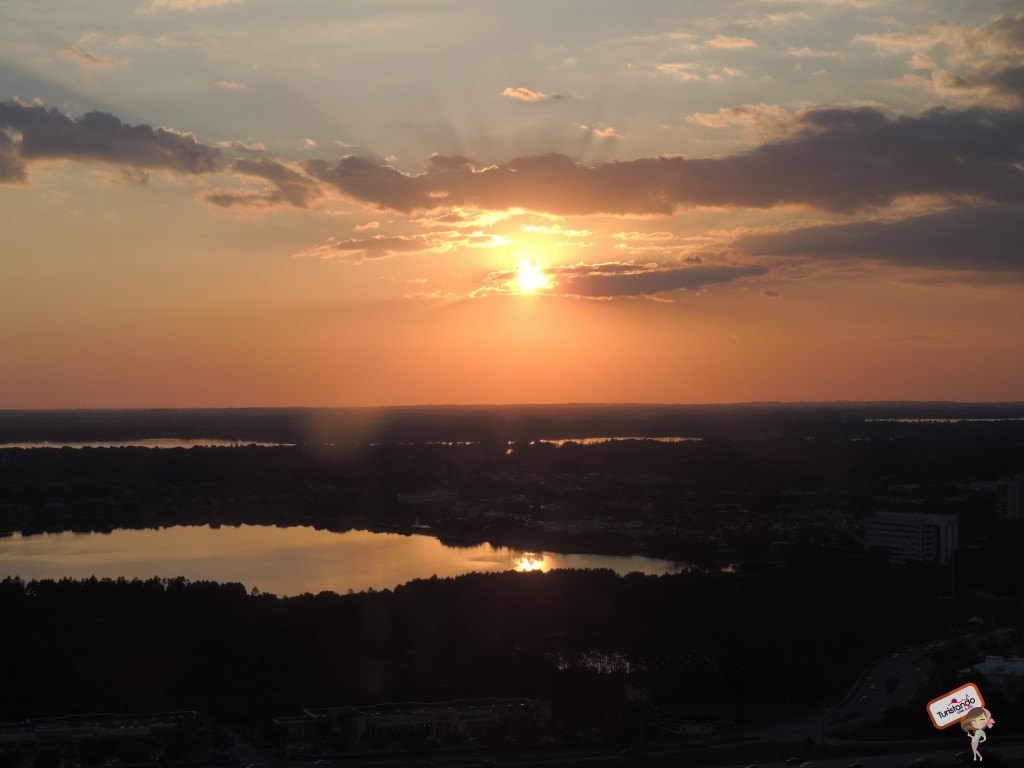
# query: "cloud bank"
837,160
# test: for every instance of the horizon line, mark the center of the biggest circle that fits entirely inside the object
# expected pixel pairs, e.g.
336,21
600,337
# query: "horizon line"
571,404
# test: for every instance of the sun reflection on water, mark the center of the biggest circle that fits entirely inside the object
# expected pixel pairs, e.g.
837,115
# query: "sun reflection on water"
531,561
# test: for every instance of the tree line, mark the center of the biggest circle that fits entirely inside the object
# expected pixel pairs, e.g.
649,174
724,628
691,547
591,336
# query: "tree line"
790,637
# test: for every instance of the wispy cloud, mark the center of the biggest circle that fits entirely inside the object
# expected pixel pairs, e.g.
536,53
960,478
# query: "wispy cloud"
525,94
758,120
984,63
813,53
363,249
607,132
726,42
190,5
647,245
88,59
682,71
358,250
231,85
557,230
694,72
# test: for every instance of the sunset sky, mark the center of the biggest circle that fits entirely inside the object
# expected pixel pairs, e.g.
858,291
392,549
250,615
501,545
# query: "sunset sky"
211,203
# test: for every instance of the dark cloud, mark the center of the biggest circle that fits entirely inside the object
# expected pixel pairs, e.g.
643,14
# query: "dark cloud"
47,133
991,80
985,239
1009,80
984,61
836,160
372,182
617,280
11,166
1006,33
289,186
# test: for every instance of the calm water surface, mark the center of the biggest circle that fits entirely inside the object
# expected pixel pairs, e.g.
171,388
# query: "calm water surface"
284,561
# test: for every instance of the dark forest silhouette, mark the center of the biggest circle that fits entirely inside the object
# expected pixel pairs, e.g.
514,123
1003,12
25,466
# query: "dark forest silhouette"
790,637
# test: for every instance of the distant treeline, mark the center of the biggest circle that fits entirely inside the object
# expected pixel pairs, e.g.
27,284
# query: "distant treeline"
794,636
366,479
510,422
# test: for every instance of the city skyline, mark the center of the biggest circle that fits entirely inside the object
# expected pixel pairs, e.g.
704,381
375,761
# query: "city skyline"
216,203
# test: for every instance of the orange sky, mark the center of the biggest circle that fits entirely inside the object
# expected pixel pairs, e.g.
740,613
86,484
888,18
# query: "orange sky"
775,200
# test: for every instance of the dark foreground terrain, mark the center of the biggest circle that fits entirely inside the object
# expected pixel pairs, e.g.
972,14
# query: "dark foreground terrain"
780,491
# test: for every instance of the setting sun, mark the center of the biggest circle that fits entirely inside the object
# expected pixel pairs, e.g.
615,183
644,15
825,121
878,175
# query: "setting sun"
530,277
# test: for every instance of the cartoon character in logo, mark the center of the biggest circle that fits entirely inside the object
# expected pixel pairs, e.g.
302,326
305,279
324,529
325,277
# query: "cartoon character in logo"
974,724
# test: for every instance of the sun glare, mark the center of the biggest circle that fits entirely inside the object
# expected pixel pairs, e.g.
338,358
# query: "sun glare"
530,561
530,277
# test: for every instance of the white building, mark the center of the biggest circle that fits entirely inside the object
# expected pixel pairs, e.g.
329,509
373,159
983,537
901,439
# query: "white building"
913,536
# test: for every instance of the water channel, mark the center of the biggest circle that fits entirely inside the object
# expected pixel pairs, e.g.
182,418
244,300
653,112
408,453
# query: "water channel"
282,561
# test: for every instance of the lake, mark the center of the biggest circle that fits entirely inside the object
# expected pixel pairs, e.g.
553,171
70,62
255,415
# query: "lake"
282,561
174,442
147,442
